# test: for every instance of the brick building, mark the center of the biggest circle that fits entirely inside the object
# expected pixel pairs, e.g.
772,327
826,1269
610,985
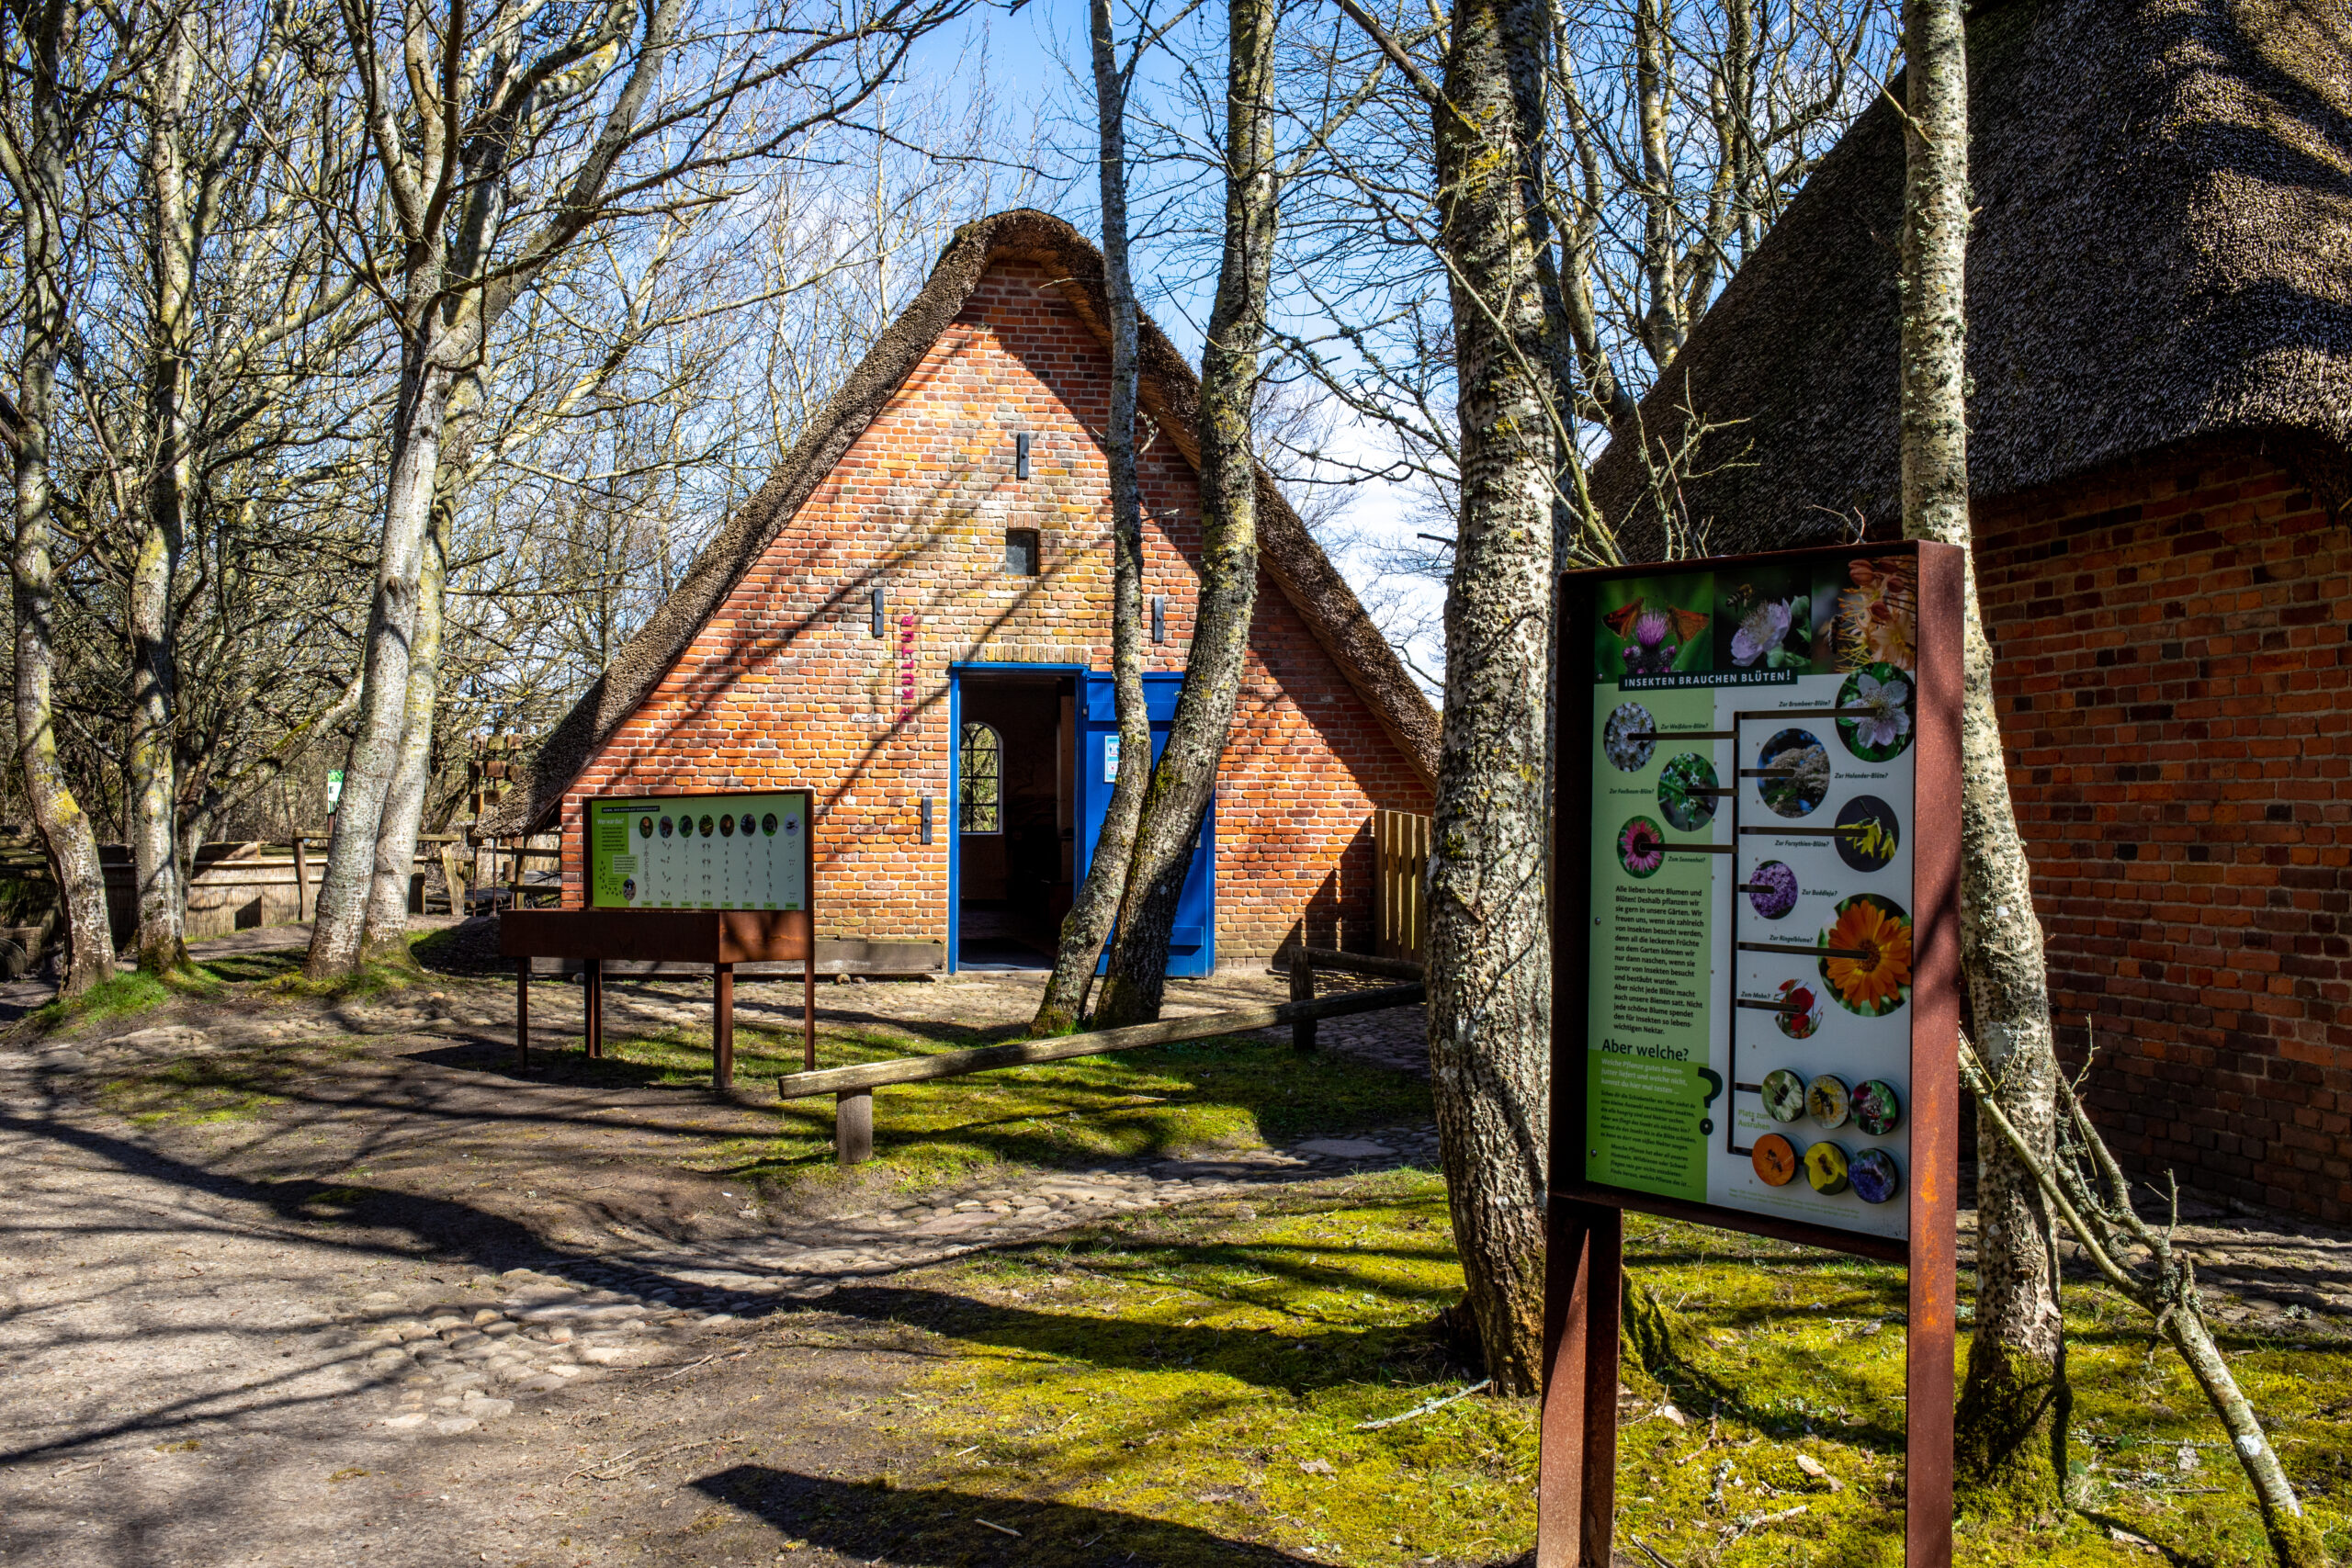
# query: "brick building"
912,618
2160,344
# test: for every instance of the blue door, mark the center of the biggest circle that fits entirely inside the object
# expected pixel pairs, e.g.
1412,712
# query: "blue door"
1191,946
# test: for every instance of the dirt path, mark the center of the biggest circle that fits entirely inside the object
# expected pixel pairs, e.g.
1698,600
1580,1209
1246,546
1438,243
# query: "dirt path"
523,1333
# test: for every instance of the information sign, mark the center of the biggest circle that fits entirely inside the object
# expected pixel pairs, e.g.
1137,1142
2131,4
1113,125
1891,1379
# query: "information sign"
736,850
1752,928
1755,959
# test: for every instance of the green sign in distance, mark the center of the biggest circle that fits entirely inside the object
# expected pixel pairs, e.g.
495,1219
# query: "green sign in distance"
700,852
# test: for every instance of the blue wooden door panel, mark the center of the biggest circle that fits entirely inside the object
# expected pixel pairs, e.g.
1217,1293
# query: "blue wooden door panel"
1192,947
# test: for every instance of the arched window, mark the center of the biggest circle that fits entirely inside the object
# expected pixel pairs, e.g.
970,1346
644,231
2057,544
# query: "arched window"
979,773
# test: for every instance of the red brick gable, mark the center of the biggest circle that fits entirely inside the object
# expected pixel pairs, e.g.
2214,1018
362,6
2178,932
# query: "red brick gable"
785,685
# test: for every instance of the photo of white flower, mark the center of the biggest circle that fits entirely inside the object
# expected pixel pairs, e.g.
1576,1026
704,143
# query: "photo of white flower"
1875,704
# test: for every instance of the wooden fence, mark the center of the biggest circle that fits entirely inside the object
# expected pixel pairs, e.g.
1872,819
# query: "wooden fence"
1400,883
241,884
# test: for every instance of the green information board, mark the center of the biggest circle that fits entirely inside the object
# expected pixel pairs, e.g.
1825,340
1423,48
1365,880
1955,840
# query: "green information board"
1749,914
736,850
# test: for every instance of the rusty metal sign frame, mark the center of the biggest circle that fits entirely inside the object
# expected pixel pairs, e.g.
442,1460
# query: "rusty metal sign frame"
1585,1223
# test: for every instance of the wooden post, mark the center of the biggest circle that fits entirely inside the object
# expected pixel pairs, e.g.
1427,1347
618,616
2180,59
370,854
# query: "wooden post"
854,1127
1576,1486
722,1026
301,880
523,1014
1302,990
809,1009
592,1003
455,880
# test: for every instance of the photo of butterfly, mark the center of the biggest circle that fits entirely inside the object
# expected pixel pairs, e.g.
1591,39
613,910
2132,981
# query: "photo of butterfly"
1653,637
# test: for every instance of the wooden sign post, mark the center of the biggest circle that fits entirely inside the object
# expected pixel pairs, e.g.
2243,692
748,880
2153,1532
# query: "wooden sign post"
720,879
1756,960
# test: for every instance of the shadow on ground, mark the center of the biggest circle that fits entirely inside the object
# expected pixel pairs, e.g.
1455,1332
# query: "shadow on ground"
942,1527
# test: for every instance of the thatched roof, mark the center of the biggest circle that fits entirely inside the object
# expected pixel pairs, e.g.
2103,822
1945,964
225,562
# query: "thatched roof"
2165,252
1168,392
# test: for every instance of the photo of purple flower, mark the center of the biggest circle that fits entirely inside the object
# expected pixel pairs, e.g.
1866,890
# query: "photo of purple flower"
1641,847
1773,889
1652,632
1875,1176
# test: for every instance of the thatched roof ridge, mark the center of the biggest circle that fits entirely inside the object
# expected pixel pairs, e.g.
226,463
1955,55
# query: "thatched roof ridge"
2163,252
1170,394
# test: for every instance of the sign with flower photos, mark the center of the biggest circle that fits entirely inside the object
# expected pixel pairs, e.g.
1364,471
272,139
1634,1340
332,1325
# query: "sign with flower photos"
1742,742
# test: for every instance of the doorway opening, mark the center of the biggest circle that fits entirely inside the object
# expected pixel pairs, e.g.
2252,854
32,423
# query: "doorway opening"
1015,816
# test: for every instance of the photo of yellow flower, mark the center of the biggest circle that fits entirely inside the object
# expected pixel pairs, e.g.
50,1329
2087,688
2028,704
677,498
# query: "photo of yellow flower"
1868,957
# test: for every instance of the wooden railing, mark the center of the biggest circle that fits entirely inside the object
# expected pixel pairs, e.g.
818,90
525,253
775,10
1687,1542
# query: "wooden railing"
1400,884
853,1087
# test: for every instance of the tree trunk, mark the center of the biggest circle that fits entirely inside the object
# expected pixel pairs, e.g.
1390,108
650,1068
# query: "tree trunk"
1088,924
2010,1443
72,847
1489,1008
153,751
403,814
340,929
1184,782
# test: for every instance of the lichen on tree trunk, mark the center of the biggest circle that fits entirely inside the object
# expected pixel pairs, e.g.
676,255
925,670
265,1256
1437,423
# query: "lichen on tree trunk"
1489,942
36,167
2010,1448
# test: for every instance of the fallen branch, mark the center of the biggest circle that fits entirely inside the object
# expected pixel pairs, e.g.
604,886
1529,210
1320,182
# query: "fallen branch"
690,1366
2087,1189
1001,1530
1423,1409
604,1472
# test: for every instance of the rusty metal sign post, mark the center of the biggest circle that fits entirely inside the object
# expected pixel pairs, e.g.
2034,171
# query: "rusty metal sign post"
720,879
1756,960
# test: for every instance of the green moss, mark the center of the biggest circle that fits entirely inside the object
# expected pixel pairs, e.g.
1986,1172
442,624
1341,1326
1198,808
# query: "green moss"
1178,1374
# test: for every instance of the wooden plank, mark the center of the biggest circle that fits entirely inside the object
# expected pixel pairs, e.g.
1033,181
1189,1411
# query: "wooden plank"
956,1064
1362,964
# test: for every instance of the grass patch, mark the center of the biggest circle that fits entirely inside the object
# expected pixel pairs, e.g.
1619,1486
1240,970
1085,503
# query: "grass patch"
125,995
1207,1094
370,980
1190,1378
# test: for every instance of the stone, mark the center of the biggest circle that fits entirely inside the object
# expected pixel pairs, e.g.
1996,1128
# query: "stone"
1345,1148
566,1370
451,1425
600,1355
489,1409
407,1422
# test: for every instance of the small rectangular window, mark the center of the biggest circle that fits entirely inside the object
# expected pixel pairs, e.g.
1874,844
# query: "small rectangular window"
1021,552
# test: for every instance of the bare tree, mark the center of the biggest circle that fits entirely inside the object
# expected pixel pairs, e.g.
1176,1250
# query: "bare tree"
1087,923
1489,977
63,67
502,140
1184,780
2010,1443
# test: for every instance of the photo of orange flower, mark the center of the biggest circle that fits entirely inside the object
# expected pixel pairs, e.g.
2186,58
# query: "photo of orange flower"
1868,961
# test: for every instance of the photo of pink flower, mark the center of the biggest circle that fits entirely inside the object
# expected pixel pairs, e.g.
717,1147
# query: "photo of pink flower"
1641,847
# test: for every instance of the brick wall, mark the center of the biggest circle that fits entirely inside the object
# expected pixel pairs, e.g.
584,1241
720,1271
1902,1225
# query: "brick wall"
2171,637
787,686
